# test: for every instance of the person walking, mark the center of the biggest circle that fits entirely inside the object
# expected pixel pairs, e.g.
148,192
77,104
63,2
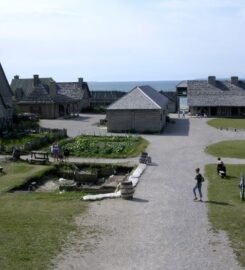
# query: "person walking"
56,151
199,179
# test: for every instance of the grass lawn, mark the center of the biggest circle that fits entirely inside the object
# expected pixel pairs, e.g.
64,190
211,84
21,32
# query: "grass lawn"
227,123
232,149
34,225
105,146
225,209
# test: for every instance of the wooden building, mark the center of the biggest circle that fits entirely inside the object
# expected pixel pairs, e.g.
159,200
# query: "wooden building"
102,99
173,100
49,99
142,110
214,97
6,102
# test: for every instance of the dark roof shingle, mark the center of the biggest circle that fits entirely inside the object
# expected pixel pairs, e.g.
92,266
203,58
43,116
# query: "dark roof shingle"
222,93
140,97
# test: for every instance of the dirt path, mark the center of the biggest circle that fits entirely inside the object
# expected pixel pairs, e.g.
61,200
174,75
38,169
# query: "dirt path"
162,228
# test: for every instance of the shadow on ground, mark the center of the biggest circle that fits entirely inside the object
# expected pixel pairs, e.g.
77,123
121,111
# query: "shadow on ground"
152,164
219,203
78,118
139,200
179,127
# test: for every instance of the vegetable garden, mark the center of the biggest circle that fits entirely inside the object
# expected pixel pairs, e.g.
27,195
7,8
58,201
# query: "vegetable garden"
105,146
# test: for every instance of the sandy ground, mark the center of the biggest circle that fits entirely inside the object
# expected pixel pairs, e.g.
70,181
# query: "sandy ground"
162,228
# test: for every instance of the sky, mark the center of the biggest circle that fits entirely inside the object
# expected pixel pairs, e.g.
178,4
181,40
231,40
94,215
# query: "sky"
122,40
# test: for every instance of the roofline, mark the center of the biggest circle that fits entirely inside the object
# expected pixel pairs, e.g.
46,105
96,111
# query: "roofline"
184,81
138,87
108,108
10,90
162,93
3,102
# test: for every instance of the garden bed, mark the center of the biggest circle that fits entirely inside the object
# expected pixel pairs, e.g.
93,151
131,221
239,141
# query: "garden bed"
29,140
89,178
105,146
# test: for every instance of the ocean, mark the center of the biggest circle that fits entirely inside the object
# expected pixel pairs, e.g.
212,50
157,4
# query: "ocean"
127,86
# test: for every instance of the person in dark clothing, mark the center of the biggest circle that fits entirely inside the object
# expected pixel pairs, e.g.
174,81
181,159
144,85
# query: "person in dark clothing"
199,178
66,153
219,161
221,169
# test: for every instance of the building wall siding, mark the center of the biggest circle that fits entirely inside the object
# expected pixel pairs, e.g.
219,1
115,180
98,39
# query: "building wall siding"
48,111
135,120
172,107
85,103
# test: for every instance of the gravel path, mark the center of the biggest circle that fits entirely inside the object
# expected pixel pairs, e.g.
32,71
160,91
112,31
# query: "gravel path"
162,228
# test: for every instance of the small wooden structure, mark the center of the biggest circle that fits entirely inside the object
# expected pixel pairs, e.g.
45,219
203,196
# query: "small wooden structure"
40,157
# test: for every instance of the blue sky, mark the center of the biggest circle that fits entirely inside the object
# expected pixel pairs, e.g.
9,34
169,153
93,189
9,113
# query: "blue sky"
121,40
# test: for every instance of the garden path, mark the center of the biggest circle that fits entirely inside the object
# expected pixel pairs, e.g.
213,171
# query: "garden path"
162,228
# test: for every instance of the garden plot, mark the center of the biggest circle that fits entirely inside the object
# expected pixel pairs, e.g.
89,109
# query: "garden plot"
92,178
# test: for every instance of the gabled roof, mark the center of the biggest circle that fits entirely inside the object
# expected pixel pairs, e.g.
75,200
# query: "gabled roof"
221,93
3,102
170,95
182,84
41,96
67,92
72,89
107,95
140,97
27,85
5,90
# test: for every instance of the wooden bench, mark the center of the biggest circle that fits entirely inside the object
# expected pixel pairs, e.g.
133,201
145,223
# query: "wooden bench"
39,157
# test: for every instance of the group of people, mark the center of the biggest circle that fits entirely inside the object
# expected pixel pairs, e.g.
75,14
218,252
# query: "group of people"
57,152
221,171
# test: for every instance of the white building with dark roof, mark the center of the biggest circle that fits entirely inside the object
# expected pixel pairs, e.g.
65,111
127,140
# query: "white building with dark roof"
143,110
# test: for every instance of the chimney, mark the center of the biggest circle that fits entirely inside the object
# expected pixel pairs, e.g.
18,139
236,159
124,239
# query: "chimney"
16,77
36,80
212,80
234,80
52,89
80,82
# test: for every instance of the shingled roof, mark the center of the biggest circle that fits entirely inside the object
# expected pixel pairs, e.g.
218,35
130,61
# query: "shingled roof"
182,84
170,95
40,95
3,102
202,93
27,84
74,90
107,95
37,90
140,97
5,90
